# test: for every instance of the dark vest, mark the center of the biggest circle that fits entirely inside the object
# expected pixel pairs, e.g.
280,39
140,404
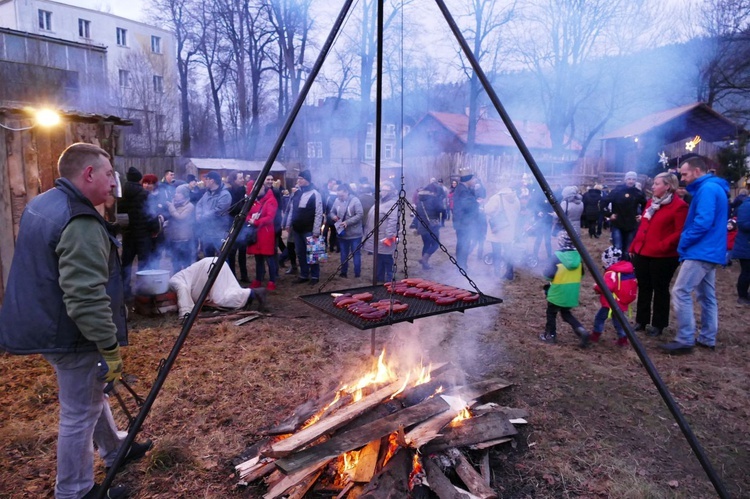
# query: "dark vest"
33,318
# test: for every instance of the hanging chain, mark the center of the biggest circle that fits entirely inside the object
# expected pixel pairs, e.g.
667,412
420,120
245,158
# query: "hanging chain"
402,201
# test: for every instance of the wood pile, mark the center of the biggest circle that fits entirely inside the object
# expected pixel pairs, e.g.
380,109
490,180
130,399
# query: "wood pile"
382,445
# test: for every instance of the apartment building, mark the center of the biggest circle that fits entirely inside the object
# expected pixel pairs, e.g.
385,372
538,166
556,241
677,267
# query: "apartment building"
140,66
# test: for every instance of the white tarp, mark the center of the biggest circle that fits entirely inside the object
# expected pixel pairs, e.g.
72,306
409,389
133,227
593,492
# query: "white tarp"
232,164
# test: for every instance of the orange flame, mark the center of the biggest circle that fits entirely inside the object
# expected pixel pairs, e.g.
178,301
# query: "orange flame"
424,375
347,464
462,414
316,417
392,448
417,472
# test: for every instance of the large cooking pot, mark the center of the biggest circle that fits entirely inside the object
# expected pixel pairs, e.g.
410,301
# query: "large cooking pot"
152,282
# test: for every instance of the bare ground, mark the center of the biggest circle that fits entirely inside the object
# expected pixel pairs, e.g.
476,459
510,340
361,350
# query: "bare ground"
598,427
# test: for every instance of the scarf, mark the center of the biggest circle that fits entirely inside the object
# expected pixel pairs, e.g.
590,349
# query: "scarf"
656,203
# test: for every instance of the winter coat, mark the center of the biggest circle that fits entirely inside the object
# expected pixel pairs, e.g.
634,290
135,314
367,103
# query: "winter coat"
741,248
502,210
565,271
466,215
262,214
429,207
621,281
658,237
388,229
179,227
704,236
627,203
134,203
572,206
212,213
306,215
349,211
592,205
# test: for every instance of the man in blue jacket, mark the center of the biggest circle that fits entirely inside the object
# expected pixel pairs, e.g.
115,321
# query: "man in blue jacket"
702,248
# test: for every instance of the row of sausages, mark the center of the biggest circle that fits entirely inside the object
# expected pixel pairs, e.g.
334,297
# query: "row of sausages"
361,305
441,294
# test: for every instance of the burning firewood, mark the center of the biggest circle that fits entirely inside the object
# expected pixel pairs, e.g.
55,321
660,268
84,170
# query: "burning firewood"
471,478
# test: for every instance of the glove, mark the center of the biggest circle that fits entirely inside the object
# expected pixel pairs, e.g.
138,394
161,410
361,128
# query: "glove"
113,364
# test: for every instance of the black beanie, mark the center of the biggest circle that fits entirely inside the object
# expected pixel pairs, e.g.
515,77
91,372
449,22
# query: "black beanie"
133,175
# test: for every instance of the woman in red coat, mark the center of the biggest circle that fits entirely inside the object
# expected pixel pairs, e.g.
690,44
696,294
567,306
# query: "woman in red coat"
654,253
262,215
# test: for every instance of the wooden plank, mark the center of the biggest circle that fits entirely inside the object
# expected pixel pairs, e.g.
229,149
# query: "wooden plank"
472,431
490,443
299,490
280,487
392,481
360,436
7,240
253,473
312,432
30,165
15,178
47,163
484,468
471,478
480,389
439,483
366,462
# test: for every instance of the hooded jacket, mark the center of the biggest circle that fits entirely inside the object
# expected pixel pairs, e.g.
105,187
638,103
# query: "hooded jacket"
565,272
704,236
621,281
572,206
741,248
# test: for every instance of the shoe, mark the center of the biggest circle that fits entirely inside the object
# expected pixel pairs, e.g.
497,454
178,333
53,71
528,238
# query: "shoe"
705,346
262,297
343,275
583,335
313,282
622,341
639,327
255,284
653,331
136,452
116,492
743,301
548,338
291,271
300,280
271,286
676,348
594,337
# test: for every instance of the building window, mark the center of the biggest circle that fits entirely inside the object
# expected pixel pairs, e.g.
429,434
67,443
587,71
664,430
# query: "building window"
390,130
122,37
370,129
160,121
158,84
313,126
369,150
45,20
124,78
156,44
314,149
84,28
388,151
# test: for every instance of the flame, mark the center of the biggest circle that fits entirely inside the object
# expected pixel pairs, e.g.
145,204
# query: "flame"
316,417
417,472
348,463
382,374
462,414
392,448
403,387
424,375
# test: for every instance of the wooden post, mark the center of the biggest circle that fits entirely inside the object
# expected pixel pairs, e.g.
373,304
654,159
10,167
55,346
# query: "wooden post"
7,241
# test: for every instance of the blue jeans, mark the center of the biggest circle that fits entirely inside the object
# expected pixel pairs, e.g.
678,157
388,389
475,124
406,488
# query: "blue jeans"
384,268
621,239
85,419
260,267
311,271
698,276
347,247
601,317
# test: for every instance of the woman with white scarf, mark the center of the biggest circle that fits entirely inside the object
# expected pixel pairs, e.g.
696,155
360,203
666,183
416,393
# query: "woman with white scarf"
654,253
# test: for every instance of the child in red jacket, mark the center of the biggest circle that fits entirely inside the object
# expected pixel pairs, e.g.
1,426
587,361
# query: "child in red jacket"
731,236
620,278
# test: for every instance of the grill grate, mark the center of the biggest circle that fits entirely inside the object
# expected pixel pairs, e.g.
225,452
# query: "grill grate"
418,308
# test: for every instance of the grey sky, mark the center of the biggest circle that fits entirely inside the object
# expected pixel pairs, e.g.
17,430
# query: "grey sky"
132,9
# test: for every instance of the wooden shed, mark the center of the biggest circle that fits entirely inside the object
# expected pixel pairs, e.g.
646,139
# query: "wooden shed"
28,163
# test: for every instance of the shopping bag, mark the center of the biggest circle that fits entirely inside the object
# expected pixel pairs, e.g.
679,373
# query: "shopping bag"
316,250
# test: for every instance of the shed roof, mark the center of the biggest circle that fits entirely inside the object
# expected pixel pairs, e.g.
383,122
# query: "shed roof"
493,132
233,164
698,118
69,115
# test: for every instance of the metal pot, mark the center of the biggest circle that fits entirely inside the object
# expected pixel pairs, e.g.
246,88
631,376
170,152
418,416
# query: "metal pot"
153,282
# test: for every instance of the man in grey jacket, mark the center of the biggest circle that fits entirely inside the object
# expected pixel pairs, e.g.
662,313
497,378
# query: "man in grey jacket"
306,219
347,216
65,300
212,219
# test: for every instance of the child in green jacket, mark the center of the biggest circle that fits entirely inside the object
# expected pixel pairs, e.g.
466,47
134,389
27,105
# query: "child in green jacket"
564,272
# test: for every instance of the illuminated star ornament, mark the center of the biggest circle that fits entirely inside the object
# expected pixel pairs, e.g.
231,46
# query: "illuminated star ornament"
690,144
663,159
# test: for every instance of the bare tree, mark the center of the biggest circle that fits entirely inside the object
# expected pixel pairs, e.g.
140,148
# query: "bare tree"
175,14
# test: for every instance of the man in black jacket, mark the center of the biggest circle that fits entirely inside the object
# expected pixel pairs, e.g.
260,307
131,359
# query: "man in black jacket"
624,204
466,216
306,219
136,237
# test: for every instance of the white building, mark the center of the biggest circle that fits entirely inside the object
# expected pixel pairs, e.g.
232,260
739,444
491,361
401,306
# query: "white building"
140,64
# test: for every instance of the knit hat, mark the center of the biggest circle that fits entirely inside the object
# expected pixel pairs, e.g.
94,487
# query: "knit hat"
150,178
564,242
191,178
631,175
611,256
569,191
133,174
465,174
306,174
214,176
183,190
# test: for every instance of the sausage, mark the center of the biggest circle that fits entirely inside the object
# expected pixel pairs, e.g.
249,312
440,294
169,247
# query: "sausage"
471,297
449,300
346,302
412,291
342,297
363,296
400,307
374,316
425,284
